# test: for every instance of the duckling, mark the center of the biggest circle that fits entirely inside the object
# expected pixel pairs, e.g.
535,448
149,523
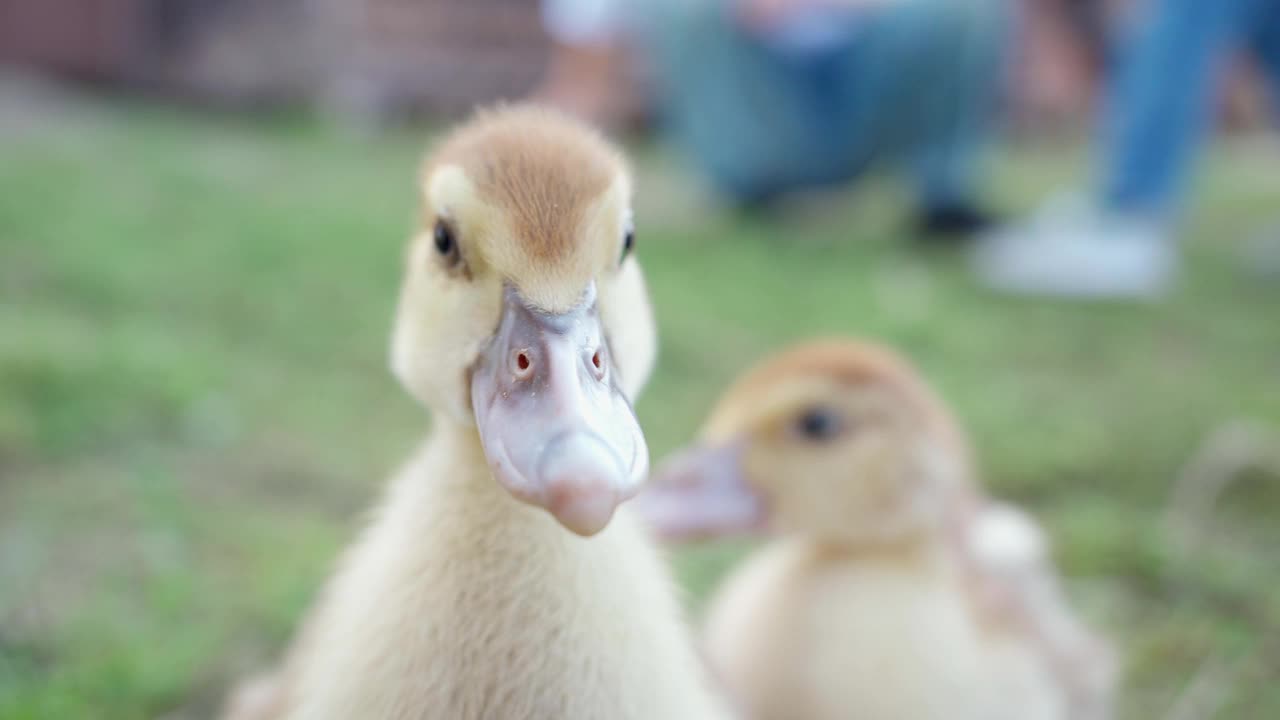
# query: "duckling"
893,590
499,579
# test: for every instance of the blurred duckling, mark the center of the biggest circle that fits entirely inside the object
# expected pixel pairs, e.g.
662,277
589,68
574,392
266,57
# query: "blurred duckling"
893,590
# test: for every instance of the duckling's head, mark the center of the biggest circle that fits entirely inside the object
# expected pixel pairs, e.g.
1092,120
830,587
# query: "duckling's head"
836,439
524,312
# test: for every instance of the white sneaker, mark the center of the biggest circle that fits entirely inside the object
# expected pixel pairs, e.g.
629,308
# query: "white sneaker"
1071,252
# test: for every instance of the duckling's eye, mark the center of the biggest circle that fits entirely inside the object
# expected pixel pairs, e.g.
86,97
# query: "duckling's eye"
444,237
445,242
628,242
818,424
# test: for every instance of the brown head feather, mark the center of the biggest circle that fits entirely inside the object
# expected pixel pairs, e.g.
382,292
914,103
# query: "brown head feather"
853,363
542,167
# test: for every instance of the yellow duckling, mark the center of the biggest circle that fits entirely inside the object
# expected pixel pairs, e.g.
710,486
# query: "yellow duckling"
475,594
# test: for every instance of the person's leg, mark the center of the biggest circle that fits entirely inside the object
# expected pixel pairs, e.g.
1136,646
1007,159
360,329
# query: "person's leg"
754,119
1162,101
963,100
1264,25
917,86
1158,113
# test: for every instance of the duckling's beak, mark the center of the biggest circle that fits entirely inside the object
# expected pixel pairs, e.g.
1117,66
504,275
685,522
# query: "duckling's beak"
702,492
556,427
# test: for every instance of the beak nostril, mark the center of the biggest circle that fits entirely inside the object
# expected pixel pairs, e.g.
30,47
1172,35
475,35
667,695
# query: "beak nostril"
597,362
523,365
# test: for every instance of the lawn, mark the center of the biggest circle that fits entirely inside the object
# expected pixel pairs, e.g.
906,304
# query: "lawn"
195,407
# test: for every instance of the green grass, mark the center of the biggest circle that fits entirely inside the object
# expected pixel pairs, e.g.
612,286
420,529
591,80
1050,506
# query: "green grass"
195,407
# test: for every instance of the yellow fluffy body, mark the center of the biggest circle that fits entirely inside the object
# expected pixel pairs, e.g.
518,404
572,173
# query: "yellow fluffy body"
802,632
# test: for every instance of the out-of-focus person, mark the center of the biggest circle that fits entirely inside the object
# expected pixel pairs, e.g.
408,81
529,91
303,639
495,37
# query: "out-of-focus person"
1119,240
590,73
767,97
1061,52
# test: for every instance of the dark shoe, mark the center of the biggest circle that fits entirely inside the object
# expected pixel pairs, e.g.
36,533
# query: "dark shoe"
955,224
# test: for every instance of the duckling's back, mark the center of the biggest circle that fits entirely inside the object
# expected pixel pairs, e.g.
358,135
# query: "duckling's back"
810,633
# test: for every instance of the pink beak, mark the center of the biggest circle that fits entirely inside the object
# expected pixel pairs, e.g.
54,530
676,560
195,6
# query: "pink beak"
557,430
702,492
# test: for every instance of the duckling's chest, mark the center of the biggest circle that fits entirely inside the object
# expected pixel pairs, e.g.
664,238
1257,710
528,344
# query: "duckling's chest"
498,612
868,639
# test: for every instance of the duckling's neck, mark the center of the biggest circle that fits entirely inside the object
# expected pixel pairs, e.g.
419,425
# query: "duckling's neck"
460,445
466,603
511,607
451,472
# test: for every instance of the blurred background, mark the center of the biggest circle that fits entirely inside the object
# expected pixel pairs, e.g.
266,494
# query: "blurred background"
203,205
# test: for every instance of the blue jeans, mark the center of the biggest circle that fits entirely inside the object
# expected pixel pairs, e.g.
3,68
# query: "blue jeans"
915,82
1162,100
